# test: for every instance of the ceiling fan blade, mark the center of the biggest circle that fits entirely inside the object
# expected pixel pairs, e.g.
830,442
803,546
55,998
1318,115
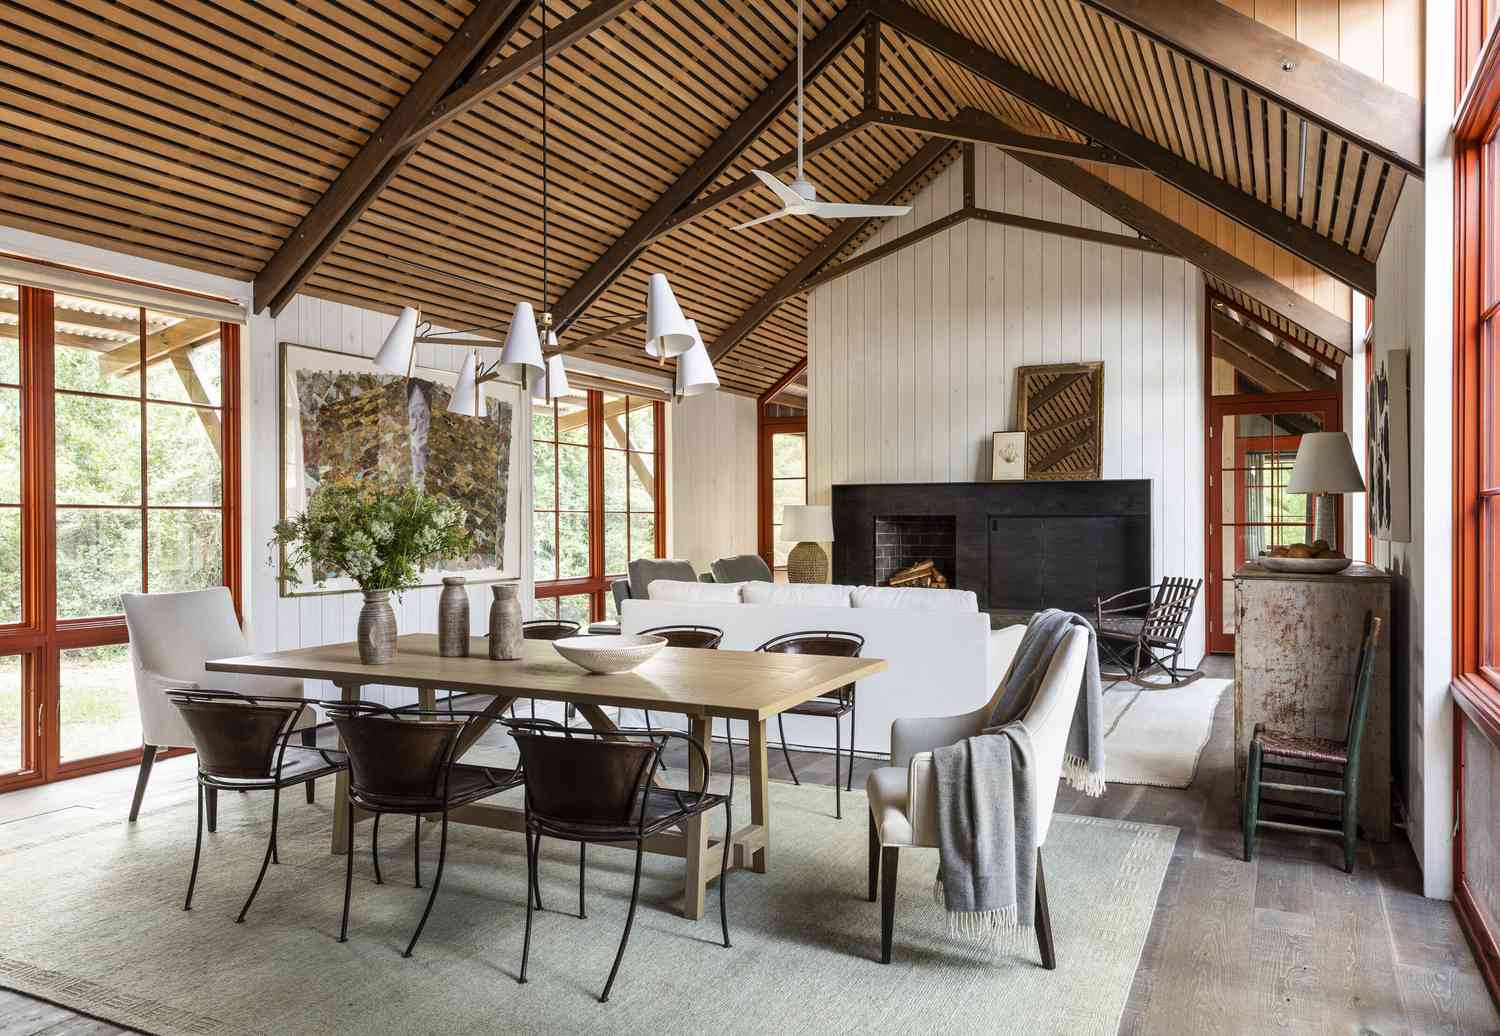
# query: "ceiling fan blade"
836,210
782,191
763,219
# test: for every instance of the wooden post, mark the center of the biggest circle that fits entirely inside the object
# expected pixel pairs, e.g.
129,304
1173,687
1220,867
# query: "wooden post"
696,830
759,793
341,817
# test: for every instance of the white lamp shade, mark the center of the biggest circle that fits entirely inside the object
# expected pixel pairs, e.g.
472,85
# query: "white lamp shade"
395,352
467,393
553,384
668,332
695,370
806,523
523,346
1325,464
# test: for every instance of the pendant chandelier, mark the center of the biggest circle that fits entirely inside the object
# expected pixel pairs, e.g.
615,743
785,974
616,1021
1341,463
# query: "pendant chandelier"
669,334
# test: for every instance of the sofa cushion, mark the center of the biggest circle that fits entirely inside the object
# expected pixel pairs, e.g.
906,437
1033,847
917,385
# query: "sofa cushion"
914,599
816,595
695,593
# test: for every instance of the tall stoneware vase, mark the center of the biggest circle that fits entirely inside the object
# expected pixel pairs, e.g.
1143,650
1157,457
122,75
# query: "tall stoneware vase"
505,622
453,618
376,632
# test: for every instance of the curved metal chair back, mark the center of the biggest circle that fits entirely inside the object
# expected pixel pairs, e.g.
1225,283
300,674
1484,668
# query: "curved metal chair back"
236,737
706,637
585,780
549,629
816,642
392,759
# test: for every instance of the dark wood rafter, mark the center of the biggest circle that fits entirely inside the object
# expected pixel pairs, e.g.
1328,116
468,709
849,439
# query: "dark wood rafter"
819,51
842,234
383,153
1306,242
1302,79
1267,353
966,127
1247,367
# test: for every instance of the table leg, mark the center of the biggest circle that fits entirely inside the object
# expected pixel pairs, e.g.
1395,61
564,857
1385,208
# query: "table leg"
341,817
696,830
759,793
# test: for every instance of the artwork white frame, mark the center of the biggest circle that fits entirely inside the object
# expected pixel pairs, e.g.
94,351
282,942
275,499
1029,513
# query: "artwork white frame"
1388,447
1008,456
293,489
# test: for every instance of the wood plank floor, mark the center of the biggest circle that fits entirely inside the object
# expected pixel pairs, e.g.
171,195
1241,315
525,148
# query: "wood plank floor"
1288,943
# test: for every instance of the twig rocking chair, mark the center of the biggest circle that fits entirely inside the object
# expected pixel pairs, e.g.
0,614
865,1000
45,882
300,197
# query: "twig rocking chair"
1140,633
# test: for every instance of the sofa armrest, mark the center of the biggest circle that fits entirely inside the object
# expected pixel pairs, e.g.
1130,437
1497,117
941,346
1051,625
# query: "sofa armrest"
1002,647
910,736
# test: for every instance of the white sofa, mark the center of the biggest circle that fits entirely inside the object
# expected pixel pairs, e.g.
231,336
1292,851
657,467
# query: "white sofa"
943,656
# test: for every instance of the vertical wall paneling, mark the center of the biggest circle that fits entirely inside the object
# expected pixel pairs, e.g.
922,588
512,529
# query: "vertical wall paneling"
919,351
714,449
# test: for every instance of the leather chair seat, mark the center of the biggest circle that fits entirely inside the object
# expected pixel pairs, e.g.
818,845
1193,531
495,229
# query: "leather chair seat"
466,784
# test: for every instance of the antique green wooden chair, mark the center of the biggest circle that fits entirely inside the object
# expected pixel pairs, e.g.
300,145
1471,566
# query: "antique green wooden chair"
1320,758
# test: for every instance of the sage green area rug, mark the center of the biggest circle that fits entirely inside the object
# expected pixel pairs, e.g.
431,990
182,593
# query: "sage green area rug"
92,919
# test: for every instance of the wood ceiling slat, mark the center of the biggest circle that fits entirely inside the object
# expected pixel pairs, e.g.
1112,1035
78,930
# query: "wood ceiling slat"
90,229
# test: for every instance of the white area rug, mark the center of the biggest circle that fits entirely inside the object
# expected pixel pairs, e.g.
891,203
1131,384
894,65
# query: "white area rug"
1156,737
93,920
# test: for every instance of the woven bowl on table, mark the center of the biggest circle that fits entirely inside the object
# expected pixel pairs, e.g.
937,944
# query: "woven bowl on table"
618,653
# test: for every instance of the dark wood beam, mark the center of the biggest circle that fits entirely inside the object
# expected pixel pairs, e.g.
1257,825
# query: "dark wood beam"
872,65
1265,376
1258,346
293,262
1101,237
821,49
1296,76
844,231
1351,269
972,130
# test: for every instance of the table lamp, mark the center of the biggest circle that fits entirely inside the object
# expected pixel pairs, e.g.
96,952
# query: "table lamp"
810,526
1325,465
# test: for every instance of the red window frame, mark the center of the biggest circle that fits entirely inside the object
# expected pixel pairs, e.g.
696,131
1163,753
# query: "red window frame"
767,427
40,636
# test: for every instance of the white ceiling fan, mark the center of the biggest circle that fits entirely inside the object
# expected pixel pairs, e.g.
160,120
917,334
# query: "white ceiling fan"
800,197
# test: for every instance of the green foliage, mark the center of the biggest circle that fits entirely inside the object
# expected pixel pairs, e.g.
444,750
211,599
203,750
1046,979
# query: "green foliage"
379,533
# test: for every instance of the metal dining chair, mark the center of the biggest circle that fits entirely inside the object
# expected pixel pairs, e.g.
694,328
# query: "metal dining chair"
405,763
706,638
243,743
836,704
548,629
595,786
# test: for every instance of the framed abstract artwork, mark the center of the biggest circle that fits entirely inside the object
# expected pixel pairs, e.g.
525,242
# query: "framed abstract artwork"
1060,407
340,415
1388,447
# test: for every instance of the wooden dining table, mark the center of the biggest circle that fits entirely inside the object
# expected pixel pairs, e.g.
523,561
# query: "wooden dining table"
701,685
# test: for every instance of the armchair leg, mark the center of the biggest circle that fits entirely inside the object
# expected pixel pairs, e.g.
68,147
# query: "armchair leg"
1043,918
890,858
148,757
1251,806
873,854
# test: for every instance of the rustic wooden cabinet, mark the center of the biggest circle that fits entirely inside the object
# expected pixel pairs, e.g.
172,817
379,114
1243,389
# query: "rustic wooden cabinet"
1297,643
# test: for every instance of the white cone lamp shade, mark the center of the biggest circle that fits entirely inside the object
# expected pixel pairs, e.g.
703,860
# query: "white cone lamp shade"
695,370
668,332
395,352
467,395
523,346
1325,464
552,385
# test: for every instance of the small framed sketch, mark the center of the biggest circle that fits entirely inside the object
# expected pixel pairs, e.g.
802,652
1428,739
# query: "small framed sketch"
1008,457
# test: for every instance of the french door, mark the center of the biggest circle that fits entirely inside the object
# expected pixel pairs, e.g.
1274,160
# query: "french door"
119,462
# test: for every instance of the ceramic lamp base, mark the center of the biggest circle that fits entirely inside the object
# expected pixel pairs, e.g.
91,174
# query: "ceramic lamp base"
807,563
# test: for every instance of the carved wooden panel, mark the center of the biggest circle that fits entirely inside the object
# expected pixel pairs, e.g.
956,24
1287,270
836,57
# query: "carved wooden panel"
1061,410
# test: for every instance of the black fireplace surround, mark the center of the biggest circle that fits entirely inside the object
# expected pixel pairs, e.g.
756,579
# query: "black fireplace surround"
1020,546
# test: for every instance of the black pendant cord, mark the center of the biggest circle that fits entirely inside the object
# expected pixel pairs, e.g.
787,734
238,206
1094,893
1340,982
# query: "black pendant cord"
546,279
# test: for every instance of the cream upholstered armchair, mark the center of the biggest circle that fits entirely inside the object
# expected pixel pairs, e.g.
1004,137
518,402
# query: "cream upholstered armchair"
171,636
903,796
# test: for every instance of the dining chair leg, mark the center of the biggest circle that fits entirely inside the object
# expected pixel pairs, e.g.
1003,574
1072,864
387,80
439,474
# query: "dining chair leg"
785,754
852,714
536,872
724,873
197,853
838,774
530,888
873,854
416,852
1251,806
211,808
582,870
890,859
1350,819
635,894
375,848
729,740
265,863
148,758
437,879
348,874
310,740
1043,918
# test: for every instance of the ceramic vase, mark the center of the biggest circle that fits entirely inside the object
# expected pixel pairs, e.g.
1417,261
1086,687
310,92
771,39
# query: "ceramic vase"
505,622
377,629
453,618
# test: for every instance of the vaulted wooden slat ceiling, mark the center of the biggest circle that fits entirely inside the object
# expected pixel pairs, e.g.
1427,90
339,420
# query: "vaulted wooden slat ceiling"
200,133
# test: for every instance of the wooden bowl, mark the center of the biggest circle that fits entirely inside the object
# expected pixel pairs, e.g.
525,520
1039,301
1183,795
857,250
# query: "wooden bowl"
616,653
1321,566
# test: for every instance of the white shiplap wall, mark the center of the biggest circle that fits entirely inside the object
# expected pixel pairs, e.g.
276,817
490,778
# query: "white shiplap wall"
712,465
912,359
275,622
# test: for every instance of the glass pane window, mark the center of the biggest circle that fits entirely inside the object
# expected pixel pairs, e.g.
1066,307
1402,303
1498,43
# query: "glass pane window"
97,345
98,450
185,549
184,455
10,334
98,557
12,749
183,359
97,709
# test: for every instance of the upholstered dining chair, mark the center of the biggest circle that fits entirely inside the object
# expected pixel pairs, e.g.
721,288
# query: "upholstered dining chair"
590,786
903,796
242,745
172,635
404,762
835,704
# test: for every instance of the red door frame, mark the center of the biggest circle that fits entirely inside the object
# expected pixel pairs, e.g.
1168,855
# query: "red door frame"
766,428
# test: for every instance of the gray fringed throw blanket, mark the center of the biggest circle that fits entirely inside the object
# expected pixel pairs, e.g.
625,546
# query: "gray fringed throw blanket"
986,828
